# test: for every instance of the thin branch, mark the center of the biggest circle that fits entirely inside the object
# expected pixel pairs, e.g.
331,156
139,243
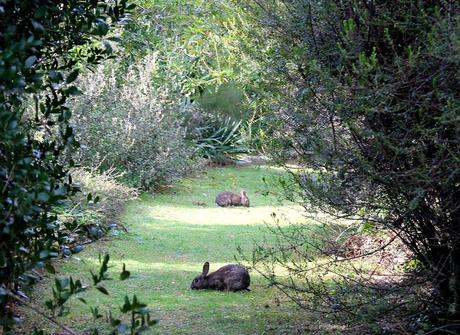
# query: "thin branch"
41,313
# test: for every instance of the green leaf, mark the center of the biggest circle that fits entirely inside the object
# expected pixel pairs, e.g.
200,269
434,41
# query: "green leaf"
72,76
43,197
124,274
50,268
95,313
152,322
107,46
102,289
44,254
55,76
62,283
30,61
73,90
49,304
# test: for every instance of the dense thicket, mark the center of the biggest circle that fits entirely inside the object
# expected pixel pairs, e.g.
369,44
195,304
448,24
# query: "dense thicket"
43,44
372,90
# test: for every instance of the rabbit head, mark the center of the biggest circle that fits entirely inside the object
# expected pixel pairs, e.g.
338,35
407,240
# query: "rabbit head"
244,198
201,281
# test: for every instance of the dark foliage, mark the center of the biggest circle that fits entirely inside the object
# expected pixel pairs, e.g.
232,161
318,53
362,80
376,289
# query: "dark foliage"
43,44
65,289
373,91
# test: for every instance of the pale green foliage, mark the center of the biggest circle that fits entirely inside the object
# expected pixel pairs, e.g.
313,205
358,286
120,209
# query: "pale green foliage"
201,52
198,43
113,195
128,124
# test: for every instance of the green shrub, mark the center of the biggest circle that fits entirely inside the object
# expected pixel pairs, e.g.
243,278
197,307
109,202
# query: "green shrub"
44,46
218,141
128,124
99,205
371,88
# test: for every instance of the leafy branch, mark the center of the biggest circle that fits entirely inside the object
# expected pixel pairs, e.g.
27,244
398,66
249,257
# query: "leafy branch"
66,288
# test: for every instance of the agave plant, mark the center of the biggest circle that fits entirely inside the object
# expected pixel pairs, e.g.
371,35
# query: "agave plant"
217,142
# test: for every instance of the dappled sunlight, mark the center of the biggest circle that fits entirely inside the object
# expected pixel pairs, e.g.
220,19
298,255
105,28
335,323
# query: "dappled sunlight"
282,169
151,269
169,238
222,216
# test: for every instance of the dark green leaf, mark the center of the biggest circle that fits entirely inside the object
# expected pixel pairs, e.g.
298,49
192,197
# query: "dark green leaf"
102,289
49,268
73,90
72,76
124,274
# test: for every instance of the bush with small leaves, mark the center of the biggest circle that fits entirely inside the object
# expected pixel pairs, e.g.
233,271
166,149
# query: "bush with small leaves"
371,88
43,47
130,125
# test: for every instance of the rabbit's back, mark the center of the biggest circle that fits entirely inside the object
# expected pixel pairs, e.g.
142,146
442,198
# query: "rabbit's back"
226,199
232,277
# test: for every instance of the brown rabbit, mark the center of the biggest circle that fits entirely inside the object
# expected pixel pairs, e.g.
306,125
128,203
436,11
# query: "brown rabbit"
226,199
232,277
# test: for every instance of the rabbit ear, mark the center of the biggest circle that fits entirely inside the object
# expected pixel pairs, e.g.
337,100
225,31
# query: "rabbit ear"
205,268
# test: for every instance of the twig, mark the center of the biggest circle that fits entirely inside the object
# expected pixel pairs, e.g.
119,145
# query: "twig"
38,311
434,331
10,176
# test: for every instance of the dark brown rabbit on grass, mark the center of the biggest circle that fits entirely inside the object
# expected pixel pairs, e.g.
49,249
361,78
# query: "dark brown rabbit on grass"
231,277
226,199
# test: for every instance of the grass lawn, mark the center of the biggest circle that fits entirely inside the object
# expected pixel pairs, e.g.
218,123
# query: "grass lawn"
170,236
